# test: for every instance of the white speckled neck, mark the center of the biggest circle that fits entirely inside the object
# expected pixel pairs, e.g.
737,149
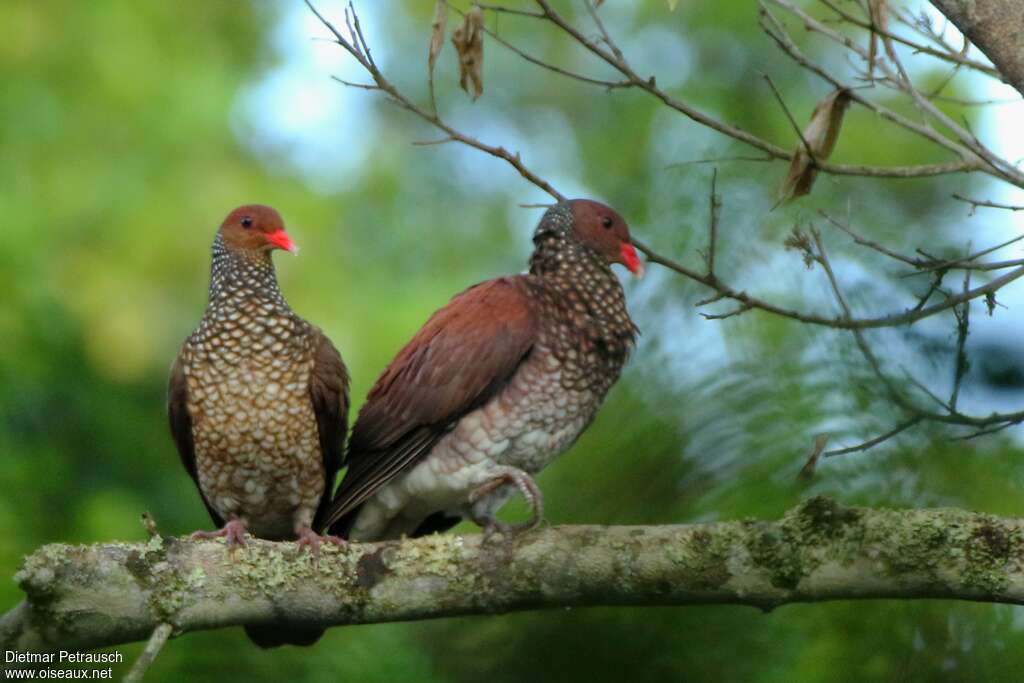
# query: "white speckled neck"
242,274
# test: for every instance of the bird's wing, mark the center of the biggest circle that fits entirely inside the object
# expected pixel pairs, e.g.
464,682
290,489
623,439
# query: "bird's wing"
328,390
462,357
181,429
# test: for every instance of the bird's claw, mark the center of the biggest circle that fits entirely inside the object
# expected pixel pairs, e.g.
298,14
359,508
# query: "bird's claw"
233,533
526,486
494,527
312,540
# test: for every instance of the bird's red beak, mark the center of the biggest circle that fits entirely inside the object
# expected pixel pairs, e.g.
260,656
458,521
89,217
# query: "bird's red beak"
281,240
631,260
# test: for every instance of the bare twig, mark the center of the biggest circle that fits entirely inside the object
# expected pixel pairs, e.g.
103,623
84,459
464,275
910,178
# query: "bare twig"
156,643
792,121
362,55
871,443
870,244
718,160
977,203
714,209
807,471
949,55
907,317
963,317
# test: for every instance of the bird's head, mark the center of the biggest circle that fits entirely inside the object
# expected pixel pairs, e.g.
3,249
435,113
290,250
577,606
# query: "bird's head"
255,227
602,229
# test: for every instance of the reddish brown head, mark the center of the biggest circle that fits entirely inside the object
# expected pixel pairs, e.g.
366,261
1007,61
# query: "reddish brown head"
602,229
255,227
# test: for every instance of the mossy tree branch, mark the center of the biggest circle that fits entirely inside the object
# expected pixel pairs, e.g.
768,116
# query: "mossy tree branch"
81,597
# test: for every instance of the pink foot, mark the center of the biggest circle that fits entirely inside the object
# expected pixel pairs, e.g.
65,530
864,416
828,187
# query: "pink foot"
233,533
312,540
531,492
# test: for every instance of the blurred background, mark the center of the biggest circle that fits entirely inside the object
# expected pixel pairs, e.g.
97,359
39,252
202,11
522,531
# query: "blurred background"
128,130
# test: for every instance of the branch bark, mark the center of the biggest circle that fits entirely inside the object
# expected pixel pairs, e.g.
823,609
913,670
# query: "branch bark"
996,27
81,597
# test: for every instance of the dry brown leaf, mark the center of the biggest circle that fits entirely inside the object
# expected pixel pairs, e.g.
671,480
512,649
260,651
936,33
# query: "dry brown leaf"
437,33
468,40
820,441
821,135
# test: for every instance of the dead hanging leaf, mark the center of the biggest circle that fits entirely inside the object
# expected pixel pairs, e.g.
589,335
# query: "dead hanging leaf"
878,10
821,135
468,40
820,441
672,4
437,33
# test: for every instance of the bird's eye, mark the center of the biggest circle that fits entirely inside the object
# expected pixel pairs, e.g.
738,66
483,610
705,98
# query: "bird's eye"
607,223
247,222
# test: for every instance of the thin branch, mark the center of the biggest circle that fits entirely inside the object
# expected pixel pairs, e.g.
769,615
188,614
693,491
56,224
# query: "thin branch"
718,160
156,643
948,55
925,390
977,203
510,10
605,36
362,55
963,318
871,443
870,244
968,263
821,257
907,317
988,430
610,85
935,286
792,121
714,209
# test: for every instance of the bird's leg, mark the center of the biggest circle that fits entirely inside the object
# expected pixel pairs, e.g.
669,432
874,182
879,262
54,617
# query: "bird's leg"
526,486
233,533
312,540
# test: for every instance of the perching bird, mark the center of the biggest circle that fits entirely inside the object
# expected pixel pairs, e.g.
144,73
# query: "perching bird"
258,399
494,387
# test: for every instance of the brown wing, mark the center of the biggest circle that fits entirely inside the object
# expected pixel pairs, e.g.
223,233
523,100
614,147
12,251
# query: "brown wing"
328,390
181,429
462,357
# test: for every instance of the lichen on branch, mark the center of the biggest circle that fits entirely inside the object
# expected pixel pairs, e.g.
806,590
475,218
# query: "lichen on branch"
98,595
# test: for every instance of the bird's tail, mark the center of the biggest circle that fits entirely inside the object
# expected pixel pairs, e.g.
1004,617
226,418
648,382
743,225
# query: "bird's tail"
276,635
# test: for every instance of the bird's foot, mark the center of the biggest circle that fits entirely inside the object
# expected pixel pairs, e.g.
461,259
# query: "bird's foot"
312,540
526,486
233,533
494,527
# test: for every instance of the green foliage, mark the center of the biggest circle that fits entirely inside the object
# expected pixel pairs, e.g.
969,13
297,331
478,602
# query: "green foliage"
124,143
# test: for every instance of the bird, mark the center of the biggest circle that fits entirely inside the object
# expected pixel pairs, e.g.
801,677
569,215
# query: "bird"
495,386
258,401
